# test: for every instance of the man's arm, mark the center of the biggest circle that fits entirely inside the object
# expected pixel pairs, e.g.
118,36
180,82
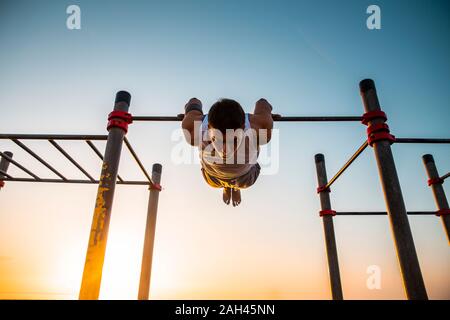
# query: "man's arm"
263,121
193,115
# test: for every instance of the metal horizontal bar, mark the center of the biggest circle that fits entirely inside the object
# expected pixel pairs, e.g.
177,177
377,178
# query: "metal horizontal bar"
158,118
421,140
99,154
18,165
4,174
318,119
275,118
381,213
445,176
347,164
74,181
136,158
52,136
65,154
24,147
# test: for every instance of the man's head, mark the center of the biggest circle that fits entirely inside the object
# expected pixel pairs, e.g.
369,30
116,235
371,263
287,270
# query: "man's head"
226,114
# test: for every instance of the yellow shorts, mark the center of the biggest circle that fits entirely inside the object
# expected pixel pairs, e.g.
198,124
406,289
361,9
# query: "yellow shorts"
241,182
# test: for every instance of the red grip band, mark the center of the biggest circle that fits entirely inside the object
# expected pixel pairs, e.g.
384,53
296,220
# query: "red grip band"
327,213
2,184
369,116
119,119
377,131
379,136
117,123
435,181
125,116
443,212
155,186
378,127
323,189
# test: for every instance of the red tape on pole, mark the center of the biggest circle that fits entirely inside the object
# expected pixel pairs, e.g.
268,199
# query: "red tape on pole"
328,212
2,184
155,186
379,136
377,131
119,119
323,189
435,181
443,212
377,127
369,116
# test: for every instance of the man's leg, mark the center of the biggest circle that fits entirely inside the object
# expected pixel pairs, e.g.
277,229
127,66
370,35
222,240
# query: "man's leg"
244,182
217,183
248,179
226,196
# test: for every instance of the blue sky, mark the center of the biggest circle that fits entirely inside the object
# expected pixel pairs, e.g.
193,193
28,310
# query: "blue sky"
305,57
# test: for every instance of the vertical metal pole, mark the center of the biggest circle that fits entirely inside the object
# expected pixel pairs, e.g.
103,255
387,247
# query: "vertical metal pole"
149,240
4,164
92,274
406,251
438,191
328,228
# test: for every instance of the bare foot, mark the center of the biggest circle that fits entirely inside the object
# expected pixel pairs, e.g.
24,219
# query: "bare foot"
236,196
226,195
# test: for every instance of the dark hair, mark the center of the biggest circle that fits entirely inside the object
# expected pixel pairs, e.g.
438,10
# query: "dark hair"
226,114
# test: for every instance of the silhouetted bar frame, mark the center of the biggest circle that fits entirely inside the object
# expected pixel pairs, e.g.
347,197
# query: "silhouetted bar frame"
347,164
4,174
21,167
445,176
75,181
438,191
95,255
51,139
328,227
149,238
398,217
72,160
38,158
7,136
136,158
4,165
99,154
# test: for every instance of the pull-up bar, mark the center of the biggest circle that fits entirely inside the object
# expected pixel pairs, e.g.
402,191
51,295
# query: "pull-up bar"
422,140
382,213
277,118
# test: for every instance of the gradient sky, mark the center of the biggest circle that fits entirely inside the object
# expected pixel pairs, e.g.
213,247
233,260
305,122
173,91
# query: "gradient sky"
306,58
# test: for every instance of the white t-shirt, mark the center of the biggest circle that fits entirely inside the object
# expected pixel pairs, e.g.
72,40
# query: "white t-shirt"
228,165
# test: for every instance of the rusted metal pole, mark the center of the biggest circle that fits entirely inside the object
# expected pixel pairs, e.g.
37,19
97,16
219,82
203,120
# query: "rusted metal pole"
438,191
406,251
92,274
328,227
4,164
149,240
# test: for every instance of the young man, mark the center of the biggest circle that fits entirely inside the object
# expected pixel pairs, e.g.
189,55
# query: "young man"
228,140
